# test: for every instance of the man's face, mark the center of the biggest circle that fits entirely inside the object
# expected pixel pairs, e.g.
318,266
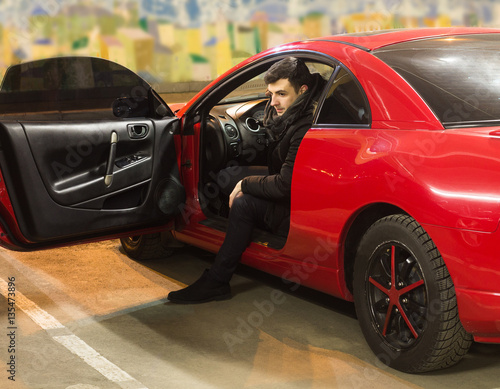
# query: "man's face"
283,95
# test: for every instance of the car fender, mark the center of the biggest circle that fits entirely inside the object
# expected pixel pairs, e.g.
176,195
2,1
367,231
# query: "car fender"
339,172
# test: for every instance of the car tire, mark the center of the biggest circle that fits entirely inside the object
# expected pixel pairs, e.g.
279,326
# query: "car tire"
405,299
144,247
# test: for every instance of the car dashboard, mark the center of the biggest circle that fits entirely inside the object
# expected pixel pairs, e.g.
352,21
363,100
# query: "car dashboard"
234,134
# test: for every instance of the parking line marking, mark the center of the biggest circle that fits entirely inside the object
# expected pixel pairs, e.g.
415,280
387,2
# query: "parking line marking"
93,358
72,342
38,315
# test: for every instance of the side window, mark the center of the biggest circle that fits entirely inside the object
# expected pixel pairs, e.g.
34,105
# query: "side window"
345,103
70,84
255,87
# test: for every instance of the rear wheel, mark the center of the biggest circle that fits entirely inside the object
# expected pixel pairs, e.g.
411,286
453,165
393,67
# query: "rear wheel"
405,299
144,247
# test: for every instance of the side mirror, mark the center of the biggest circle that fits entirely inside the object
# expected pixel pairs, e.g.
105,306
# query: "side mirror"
161,110
159,107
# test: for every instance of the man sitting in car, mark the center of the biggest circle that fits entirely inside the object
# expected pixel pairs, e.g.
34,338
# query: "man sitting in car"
263,201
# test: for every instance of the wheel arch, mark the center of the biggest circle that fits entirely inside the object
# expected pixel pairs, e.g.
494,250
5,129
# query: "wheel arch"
359,224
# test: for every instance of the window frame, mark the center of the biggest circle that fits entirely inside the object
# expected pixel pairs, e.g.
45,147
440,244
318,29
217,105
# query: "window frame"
321,102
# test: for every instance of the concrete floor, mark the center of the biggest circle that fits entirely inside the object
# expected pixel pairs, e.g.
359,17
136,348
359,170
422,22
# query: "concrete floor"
88,317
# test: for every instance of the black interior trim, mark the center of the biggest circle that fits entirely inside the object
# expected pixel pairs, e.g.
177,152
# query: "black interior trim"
43,221
73,163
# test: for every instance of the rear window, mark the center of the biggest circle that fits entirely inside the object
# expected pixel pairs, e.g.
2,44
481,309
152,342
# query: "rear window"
458,77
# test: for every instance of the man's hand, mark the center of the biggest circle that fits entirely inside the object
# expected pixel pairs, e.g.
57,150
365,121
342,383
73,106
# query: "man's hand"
235,193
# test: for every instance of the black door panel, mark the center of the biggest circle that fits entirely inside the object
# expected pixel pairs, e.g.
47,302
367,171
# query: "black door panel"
72,158
55,173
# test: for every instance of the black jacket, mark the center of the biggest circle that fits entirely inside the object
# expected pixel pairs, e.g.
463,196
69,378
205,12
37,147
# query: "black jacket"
277,186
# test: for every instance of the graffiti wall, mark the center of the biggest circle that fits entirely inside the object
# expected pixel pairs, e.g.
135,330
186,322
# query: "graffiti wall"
173,41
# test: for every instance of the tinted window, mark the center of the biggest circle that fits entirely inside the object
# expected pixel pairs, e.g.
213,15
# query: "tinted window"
68,84
457,76
345,103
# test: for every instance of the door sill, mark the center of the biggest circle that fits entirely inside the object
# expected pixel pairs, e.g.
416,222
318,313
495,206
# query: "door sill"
259,236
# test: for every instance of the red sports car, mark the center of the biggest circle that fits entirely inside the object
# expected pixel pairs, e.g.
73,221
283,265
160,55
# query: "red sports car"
395,199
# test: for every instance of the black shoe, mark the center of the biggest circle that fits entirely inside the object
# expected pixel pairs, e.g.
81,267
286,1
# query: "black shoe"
203,290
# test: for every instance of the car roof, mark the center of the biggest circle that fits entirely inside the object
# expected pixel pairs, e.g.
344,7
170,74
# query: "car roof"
367,41
376,39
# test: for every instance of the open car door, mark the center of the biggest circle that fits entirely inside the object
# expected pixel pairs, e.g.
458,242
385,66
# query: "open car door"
86,150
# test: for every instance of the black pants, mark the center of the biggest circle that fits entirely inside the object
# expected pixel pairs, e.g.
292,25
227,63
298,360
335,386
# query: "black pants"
228,178
246,213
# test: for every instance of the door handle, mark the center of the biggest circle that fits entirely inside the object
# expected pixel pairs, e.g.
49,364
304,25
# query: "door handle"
108,177
138,131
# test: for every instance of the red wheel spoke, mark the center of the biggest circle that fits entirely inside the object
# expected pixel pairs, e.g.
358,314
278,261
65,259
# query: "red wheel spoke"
407,321
391,283
387,319
394,295
378,286
406,289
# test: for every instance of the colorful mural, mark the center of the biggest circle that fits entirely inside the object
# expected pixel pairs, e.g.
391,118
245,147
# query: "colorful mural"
175,41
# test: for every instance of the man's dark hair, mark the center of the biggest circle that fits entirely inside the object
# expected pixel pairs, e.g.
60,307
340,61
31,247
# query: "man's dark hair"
293,69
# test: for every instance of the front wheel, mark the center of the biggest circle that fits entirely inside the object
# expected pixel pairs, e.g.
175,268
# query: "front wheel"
405,299
144,247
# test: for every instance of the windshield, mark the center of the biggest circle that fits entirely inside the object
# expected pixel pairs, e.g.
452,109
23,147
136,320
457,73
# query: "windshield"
457,76
250,90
